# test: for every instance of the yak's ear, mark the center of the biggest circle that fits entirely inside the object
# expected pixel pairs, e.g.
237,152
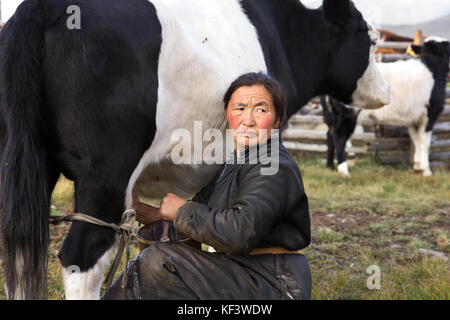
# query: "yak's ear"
416,49
337,12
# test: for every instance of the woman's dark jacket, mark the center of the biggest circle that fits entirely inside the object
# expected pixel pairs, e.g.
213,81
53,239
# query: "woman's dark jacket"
238,211
260,210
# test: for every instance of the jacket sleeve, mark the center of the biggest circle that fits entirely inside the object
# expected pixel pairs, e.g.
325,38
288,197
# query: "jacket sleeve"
259,203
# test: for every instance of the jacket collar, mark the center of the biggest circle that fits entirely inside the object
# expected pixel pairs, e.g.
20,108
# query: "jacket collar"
255,154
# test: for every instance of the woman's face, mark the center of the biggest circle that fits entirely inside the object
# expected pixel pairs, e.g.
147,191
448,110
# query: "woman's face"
251,115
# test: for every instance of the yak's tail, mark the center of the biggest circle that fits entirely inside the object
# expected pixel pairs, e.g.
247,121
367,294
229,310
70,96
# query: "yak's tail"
328,116
25,190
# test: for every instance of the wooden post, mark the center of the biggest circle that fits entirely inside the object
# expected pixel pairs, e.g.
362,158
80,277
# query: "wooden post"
418,38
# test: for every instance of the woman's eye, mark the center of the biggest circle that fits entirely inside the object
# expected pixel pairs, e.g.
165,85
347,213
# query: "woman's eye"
261,110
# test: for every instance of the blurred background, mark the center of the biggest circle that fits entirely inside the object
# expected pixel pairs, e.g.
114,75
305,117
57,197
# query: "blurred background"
404,17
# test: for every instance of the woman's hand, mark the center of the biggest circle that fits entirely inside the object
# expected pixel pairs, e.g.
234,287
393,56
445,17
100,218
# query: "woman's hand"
170,205
145,213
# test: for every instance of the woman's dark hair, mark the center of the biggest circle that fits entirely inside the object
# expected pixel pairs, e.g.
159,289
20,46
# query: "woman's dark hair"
271,85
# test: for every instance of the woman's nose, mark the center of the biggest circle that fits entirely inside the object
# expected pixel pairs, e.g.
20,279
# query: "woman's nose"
249,119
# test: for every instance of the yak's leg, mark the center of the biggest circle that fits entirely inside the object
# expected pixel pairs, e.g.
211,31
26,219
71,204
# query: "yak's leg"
340,142
330,150
422,143
434,110
344,129
330,119
86,285
425,153
414,134
89,248
341,156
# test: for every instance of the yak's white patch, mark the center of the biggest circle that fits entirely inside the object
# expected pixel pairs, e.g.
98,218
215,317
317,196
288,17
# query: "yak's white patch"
205,46
425,159
343,169
372,90
436,39
86,285
411,83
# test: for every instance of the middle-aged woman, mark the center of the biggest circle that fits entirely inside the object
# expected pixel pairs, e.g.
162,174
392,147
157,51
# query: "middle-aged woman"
256,223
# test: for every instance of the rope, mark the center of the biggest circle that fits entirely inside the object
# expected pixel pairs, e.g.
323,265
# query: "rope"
126,229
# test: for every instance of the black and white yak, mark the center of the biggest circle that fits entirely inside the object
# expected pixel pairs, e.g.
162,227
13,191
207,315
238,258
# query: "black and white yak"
97,101
418,97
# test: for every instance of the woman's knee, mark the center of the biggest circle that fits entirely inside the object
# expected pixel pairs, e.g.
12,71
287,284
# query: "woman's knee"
158,259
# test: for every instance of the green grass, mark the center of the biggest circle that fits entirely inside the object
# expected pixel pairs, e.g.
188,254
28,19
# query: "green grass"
380,216
374,189
325,234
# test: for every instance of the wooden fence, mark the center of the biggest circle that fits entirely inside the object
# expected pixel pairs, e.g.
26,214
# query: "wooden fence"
297,138
389,145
